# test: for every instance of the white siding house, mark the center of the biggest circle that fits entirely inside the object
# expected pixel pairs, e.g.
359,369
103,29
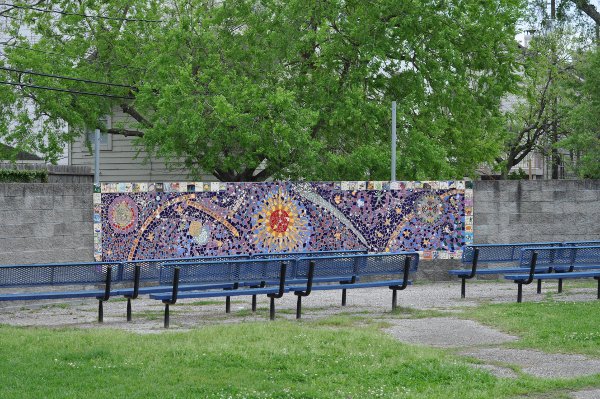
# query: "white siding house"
122,161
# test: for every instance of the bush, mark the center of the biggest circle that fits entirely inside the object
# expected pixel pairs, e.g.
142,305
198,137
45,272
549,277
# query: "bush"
520,175
23,176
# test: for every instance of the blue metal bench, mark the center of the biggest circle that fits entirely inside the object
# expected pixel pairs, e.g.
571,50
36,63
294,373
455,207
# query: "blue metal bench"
148,271
80,275
508,254
293,279
345,270
223,279
568,262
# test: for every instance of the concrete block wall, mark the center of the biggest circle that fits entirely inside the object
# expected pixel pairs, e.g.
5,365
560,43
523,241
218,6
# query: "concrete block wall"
46,223
528,211
536,211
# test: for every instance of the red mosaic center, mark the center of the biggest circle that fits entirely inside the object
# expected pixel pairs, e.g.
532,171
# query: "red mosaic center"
279,221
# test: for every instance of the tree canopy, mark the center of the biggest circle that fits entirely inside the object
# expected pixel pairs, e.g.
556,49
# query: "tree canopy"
251,89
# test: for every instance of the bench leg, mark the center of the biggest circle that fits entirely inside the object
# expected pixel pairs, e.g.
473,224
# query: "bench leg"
254,303
100,311
299,307
228,304
560,287
272,309
539,286
394,299
520,293
463,287
128,309
598,279
167,315
344,297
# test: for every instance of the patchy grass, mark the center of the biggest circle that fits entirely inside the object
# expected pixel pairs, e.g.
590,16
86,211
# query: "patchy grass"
152,315
567,327
282,359
412,313
56,306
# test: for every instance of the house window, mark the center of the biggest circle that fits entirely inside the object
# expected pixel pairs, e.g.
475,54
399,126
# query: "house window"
105,138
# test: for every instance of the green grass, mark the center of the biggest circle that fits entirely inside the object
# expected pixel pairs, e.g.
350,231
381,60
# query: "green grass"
282,359
568,327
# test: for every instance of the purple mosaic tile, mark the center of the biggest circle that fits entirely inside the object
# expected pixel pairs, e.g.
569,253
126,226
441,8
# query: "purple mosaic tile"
204,219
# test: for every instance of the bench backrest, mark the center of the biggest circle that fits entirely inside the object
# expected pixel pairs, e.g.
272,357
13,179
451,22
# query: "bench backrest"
356,265
561,256
582,243
58,274
501,253
303,254
229,271
150,268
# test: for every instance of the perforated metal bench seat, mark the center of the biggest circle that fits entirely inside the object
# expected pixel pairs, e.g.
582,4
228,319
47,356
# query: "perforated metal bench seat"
238,273
169,288
27,296
508,254
373,284
79,276
346,270
562,259
554,276
502,270
217,294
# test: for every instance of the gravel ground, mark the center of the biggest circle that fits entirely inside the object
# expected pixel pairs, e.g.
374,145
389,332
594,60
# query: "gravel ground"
187,313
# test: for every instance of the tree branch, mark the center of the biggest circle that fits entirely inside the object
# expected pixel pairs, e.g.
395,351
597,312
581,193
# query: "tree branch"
589,9
129,110
126,132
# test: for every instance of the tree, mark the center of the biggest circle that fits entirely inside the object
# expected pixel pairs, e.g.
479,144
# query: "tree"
533,116
582,117
250,89
543,118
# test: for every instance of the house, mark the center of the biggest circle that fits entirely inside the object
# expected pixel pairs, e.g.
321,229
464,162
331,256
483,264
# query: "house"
121,160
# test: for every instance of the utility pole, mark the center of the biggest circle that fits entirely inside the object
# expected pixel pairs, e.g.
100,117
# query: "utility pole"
97,156
394,140
554,139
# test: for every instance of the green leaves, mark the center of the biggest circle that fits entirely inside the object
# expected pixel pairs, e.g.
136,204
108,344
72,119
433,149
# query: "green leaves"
252,89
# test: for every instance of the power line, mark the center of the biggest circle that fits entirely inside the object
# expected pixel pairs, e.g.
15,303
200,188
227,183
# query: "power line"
65,77
71,58
80,15
85,93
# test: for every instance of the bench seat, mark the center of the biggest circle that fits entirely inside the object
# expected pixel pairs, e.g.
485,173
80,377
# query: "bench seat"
231,276
168,288
344,272
554,276
506,254
562,260
503,270
325,287
216,294
26,296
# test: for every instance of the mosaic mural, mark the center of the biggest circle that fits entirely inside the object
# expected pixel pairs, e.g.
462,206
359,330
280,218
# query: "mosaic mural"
168,220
